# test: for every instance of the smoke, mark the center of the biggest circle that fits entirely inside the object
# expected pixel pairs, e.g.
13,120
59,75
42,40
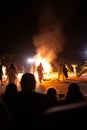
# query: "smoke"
49,39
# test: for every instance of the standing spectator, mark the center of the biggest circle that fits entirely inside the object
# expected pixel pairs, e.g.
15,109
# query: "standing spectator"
12,73
1,73
65,71
40,72
60,72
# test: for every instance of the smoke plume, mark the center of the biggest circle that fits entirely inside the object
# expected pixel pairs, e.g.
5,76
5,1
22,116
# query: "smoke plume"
49,39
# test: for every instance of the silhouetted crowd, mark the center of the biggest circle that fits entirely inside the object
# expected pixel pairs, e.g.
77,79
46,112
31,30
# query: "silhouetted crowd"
27,108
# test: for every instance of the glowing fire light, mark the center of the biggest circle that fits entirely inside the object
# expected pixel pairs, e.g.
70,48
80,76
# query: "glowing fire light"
30,60
45,62
4,70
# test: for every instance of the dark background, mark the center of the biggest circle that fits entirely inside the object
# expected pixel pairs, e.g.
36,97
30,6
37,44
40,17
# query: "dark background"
19,23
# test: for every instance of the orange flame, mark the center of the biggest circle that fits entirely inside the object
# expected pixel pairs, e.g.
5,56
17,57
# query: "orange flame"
45,62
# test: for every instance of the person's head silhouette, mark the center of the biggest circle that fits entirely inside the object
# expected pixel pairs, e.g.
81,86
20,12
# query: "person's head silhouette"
28,82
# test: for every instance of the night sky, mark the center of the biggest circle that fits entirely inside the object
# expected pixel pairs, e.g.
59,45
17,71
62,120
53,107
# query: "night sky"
20,22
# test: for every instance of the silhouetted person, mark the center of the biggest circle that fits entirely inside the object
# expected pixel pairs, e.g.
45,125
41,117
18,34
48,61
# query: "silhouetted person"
65,71
60,72
9,96
34,68
52,96
12,73
5,117
40,72
1,74
11,89
29,103
74,94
